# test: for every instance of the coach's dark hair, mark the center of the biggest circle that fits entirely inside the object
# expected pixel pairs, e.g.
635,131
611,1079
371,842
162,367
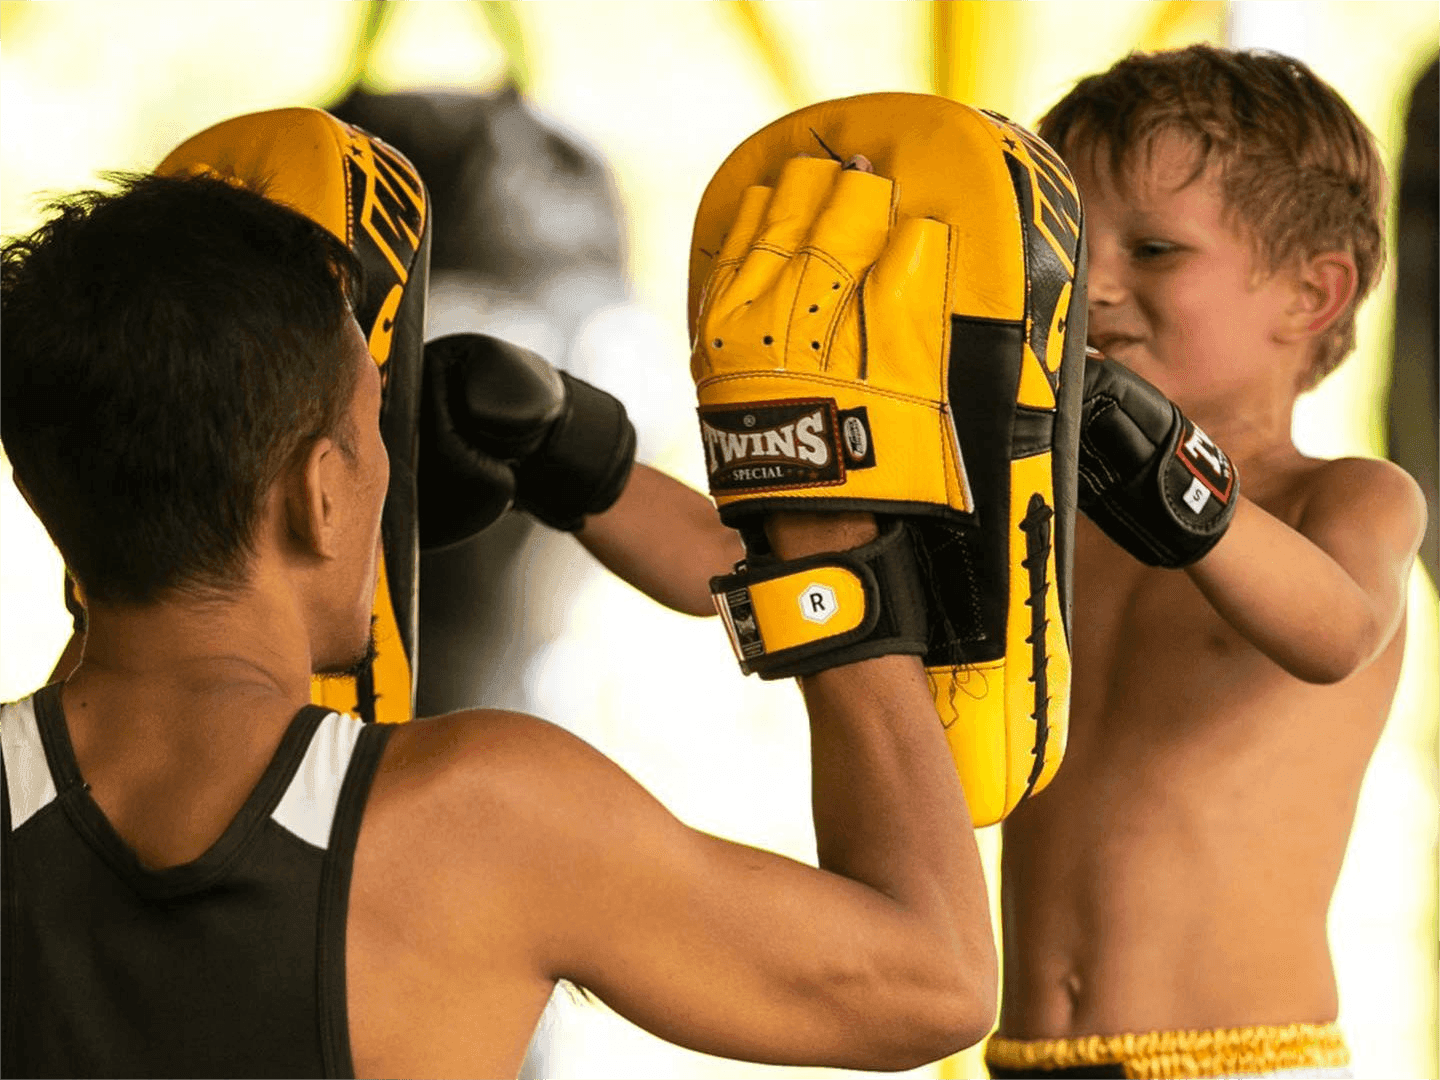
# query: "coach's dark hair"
168,348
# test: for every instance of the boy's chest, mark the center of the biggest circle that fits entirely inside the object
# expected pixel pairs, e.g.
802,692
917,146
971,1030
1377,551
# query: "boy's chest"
1146,640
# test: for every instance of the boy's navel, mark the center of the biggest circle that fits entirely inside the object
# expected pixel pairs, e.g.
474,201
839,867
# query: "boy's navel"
1218,645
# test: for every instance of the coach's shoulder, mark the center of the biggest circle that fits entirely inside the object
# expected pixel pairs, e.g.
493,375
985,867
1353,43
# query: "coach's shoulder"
474,779
471,823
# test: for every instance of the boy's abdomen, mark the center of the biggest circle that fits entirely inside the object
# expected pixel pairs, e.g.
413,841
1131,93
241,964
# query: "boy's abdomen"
1116,924
1177,872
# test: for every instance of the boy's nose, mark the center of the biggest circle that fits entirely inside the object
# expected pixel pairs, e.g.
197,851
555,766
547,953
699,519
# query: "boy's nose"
1104,280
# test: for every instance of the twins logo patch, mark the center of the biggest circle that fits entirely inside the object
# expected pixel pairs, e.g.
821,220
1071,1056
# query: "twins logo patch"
772,445
1210,469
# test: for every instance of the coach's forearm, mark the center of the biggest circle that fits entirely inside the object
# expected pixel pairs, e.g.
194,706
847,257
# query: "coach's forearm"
889,809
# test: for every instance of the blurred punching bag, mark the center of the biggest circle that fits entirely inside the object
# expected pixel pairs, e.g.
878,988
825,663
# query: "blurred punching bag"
526,245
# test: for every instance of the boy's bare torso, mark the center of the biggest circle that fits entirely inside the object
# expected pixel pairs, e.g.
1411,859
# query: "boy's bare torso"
1177,872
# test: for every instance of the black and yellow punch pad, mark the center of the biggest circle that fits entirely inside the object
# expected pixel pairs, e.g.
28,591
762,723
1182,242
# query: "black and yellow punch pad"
371,197
996,544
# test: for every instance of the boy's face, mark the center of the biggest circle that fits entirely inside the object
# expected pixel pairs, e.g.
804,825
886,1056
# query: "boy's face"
1174,291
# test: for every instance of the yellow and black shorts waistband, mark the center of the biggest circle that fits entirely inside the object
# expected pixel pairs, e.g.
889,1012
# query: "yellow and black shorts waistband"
1218,1052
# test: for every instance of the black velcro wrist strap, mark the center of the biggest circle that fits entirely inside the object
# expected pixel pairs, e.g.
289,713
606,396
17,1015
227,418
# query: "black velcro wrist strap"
801,616
1199,486
584,464
1173,513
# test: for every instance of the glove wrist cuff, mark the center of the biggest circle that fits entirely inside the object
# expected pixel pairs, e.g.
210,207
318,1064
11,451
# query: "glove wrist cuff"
1176,510
1199,485
585,462
796,617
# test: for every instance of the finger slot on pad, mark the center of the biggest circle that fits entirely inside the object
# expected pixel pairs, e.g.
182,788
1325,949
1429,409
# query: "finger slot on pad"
853,225
748,219
804,185
907,309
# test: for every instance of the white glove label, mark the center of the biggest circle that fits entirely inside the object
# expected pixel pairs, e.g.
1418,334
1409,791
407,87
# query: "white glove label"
1197,496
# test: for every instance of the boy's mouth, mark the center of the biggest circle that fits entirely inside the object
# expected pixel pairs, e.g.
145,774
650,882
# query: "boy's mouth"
1109,344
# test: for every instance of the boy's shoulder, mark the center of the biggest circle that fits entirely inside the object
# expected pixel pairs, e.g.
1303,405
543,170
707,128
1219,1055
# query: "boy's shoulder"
1367,495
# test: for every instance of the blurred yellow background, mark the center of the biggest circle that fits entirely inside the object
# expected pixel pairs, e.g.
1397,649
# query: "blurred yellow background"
662,91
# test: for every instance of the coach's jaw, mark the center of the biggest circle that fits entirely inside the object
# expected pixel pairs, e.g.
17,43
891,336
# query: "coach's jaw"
333,501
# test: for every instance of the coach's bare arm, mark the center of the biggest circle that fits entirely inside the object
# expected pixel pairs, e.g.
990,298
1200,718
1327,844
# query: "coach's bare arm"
500,854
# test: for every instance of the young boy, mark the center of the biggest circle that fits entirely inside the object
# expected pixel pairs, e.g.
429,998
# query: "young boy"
1165,899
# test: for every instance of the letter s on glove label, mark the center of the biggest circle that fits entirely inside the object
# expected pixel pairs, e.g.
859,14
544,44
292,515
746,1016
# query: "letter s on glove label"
772,445
1197,495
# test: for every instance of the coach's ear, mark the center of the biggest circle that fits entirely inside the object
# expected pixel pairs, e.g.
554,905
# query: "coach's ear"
313,490
1325,286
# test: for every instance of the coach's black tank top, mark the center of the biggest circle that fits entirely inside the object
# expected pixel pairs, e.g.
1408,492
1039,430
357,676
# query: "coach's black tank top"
231,965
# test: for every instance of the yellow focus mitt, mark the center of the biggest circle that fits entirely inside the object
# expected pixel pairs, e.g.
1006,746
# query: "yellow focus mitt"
928,368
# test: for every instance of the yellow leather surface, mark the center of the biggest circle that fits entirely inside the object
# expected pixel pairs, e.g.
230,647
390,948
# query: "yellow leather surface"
818,292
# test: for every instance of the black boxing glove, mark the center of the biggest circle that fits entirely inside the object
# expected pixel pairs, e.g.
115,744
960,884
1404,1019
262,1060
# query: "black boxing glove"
1153,481
568,446
459,489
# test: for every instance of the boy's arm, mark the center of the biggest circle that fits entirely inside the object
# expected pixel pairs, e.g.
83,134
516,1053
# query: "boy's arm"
1320,599
499,423
1324,598
665,539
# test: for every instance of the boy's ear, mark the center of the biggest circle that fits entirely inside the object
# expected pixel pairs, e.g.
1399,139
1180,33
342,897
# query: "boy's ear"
311,493
1325,285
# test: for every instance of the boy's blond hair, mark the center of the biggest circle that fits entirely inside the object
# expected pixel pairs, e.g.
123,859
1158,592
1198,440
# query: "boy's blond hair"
1299,171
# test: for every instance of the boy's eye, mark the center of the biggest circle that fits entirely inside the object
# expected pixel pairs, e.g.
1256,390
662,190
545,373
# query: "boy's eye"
1153,249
